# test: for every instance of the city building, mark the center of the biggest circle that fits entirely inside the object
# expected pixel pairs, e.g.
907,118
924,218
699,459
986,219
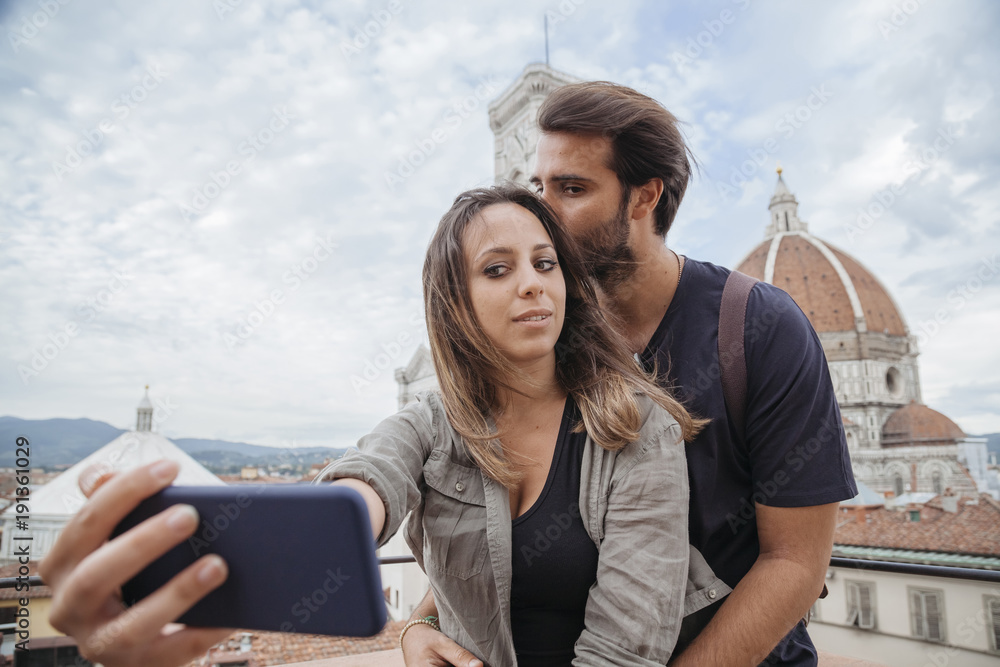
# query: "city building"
53,504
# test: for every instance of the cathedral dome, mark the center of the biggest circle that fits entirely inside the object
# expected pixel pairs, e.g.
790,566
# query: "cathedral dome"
917,424
832,288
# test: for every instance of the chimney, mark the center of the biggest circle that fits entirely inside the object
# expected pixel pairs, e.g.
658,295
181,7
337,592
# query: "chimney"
860,512
949,501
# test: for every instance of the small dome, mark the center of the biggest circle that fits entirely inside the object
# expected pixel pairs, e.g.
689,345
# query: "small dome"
917,424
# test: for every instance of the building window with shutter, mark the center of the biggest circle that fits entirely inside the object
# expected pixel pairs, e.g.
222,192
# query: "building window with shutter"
992,604
927,614
860,604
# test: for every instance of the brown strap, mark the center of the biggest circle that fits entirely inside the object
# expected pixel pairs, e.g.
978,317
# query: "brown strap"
732,356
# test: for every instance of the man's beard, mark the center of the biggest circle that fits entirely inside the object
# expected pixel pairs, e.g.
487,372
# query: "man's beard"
609,259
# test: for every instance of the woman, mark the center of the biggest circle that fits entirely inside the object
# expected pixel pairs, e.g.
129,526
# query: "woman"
547,479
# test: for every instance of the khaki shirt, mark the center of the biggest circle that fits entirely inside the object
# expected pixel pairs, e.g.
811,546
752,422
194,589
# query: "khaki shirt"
634,505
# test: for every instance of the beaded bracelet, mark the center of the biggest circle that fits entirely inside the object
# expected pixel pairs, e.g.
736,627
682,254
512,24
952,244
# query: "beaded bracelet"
426,620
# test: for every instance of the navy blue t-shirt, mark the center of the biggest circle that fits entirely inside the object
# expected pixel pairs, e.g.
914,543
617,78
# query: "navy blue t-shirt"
793,452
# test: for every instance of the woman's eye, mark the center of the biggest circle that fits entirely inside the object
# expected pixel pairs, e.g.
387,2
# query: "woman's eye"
546,264
495,270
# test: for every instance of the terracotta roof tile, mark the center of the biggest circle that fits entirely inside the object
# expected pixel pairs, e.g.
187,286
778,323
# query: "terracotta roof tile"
275,648
974,529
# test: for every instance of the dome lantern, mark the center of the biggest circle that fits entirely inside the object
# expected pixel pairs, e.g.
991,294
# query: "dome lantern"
144,416
784,211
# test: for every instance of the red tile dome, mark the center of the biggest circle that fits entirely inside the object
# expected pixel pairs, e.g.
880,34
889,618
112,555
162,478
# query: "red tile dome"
917,424
832,288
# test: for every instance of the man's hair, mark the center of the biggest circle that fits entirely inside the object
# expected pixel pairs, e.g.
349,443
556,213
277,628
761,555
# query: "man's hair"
593,363
645,140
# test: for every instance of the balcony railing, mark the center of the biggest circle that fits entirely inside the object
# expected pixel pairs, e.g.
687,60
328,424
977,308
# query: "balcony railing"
967,573
394,658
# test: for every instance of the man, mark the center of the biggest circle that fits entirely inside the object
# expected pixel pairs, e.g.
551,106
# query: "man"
614,166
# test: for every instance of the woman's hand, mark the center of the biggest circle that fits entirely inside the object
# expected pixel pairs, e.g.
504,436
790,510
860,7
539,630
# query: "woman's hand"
86,571
423,646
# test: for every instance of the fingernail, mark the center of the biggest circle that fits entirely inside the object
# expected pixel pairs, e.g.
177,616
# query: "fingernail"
164,471
212,570
90,476
182,518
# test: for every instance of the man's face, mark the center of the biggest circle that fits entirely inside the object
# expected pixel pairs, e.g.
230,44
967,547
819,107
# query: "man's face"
572,175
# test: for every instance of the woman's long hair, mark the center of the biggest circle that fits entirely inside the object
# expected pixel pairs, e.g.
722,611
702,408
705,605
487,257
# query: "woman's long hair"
593,363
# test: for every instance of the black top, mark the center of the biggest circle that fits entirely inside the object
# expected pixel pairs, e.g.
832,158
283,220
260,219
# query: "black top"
554,561
792,453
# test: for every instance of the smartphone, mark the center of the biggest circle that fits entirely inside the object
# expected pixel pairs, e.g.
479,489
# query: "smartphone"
301,558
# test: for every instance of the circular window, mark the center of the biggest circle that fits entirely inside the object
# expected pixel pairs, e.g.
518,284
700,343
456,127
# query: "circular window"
894,382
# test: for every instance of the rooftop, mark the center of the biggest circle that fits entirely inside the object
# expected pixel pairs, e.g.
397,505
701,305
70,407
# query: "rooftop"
973,530
276,648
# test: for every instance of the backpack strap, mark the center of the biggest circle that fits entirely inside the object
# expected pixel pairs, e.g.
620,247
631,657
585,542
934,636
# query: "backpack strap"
732,355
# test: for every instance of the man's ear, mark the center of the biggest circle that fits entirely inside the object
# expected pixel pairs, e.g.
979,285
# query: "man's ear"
645,198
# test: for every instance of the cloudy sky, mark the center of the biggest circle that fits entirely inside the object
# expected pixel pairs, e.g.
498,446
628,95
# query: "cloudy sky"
195,193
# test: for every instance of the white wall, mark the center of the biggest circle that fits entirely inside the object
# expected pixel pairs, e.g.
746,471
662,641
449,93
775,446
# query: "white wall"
967,642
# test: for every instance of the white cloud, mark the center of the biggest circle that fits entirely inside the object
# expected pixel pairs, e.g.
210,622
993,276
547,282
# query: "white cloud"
358,115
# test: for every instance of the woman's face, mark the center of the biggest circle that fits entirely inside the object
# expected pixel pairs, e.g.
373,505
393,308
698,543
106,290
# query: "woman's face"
515,283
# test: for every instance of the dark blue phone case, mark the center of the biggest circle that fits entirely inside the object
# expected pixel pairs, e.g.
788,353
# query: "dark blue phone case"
301,558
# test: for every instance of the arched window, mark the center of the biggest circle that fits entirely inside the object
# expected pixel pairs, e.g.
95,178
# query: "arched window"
937,483
897,484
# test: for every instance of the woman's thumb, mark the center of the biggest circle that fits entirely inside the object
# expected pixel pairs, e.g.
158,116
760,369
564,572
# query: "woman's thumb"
459,657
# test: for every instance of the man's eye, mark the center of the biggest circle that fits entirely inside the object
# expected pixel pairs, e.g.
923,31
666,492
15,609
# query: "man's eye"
573,189
495,270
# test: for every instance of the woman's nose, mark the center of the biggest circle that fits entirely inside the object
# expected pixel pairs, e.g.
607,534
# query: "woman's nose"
530,283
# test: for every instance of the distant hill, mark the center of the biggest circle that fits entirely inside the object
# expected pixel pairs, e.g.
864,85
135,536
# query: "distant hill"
56,442
992,443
